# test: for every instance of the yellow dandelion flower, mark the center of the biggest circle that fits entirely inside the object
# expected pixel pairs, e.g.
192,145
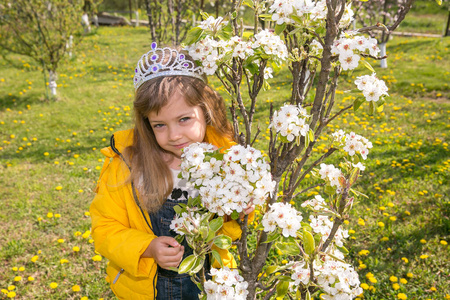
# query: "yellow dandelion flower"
50,215
77,233
365,286
91,241
409,275
80,191
21,269
34,258
58,188
18,278
46,154
403,281
60,241
76,249
361,222
97,258
11,287
11,294
76,288
53,285
30,278
422,241
364,252
84,298
15,269
433,289
87,214
86,234
405,260
63,261
393,218
393,279
370,274
384,239
443,242
396,286
402,296
57,216
423,256
351,231
373,279
380,224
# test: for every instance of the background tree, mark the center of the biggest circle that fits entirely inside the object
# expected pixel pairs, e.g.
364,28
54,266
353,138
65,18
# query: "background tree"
40,30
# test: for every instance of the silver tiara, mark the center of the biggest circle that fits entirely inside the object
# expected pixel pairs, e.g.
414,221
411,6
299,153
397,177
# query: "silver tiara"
164,62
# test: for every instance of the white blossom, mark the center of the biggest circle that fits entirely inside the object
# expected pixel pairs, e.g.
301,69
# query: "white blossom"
283,216
226,284
290,121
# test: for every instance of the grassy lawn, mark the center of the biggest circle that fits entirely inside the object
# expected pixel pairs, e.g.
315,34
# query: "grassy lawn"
50,162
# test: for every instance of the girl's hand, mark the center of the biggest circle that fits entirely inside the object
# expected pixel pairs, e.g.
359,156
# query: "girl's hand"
166,251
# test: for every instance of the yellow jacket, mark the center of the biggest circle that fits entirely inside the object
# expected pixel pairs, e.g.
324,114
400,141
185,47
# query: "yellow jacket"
119,228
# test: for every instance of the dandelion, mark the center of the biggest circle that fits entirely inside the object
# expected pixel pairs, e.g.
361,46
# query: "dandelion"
396,286
15,269
46,154
409,275
53,285
60,241
393,218
443,243
361,222
433,289
380,224
84,298
405,260
21,269
76,288
50,215
63,261
87,214
365,286
86,234
422,241
384,239
393,279
402,296
18,278
11,294
77,233
97,258
58,188
364,252
403,281
30,278
76,249
424,256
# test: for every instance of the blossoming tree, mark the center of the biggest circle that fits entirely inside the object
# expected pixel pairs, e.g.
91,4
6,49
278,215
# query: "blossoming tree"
311,37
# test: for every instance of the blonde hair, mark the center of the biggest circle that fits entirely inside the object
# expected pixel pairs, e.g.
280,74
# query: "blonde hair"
149,170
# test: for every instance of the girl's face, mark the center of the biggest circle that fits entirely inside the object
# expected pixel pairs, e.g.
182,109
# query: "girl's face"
177,125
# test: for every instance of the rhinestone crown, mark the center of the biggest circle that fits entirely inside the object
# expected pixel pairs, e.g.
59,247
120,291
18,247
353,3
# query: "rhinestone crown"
164,62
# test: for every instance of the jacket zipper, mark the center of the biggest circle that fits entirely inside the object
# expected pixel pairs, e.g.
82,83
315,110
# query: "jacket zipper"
118,275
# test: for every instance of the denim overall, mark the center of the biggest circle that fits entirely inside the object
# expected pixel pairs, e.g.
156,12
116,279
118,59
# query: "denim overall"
171,285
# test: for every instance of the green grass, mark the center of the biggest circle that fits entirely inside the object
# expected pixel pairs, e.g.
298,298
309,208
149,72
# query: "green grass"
50,161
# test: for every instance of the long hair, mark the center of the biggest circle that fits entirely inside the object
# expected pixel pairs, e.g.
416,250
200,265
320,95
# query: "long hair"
149,171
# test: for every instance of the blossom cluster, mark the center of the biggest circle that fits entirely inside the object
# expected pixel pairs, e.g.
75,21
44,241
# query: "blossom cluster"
317,204
186,223
212,24
331,174
372,87
230,182
353,143
350,46
337,279
211,53
226,284
290,121
284,216
308,10
322,225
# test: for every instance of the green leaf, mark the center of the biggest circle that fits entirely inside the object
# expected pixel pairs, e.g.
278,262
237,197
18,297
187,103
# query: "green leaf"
234,215
266,17
271,269
252,67
288,248
216,224
311,135
249,3
187,264
179,238
367,65
329,190
280,28
217,257
371,108
226,32
343,250
173,269
223,242
308,295
358,102
282,288
193,35
198,265
178,209
272,237
353,176
308,242
297,19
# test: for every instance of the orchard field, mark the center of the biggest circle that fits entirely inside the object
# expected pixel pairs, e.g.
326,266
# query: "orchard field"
51,160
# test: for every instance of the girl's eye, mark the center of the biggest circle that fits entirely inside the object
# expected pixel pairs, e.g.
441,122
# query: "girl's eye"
184,119
156,126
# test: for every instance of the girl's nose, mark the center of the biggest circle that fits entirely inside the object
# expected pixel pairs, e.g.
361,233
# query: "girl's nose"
174,134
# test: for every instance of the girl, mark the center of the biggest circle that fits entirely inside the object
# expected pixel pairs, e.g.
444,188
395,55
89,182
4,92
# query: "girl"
139,184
